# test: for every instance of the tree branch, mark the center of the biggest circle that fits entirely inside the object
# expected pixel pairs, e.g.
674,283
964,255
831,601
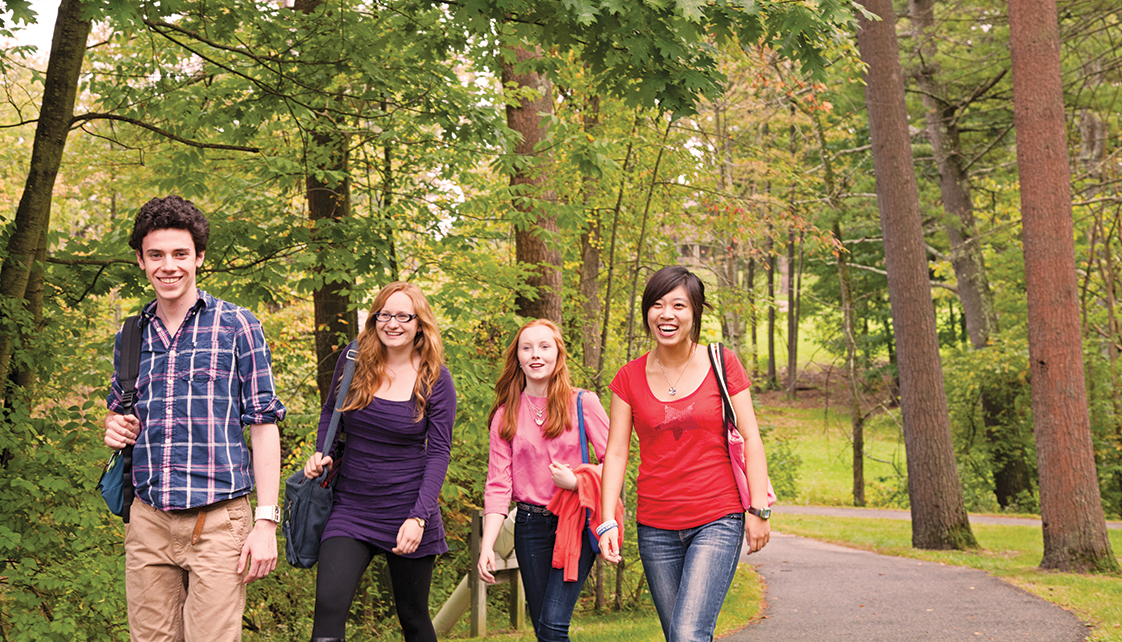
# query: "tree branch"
163,132
934,284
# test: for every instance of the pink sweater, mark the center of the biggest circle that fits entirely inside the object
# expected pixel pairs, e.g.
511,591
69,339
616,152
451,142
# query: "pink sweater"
518,470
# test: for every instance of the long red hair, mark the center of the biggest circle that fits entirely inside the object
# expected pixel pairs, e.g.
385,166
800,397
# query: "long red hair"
512,381
370,368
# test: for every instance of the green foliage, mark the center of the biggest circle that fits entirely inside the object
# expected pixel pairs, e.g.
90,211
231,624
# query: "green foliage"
783,463
1001,371
662,53
60,548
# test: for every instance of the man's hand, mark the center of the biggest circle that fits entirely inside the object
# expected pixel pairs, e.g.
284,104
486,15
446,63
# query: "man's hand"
121,430
260,551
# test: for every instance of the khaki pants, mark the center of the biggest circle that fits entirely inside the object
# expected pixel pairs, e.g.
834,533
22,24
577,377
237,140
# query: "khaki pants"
184,591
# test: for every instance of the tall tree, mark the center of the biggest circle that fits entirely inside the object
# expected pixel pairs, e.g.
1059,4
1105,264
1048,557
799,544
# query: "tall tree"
590,243
1011,473
33,216
939,519
1075,535
529,107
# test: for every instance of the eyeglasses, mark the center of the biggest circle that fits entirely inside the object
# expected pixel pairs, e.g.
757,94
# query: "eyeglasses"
384,317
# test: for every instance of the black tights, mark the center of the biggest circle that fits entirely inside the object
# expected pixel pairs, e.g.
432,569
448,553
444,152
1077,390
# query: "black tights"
343,560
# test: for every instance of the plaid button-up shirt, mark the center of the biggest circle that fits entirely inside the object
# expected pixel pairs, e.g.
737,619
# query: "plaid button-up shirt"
196,393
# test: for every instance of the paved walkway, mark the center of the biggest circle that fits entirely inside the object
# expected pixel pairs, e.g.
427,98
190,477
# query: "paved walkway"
825,593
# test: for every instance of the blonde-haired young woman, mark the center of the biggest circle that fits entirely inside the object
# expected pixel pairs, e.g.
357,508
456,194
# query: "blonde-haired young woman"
398,419
535,448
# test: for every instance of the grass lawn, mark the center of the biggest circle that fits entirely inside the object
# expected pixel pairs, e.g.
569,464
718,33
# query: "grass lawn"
822,440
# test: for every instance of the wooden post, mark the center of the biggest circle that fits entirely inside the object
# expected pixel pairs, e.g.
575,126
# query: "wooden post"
506,570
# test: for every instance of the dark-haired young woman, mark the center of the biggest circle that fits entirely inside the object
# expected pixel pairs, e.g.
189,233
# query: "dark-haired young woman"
535,451
691,523
398,419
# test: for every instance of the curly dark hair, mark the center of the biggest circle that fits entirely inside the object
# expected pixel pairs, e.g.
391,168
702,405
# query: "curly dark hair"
170,212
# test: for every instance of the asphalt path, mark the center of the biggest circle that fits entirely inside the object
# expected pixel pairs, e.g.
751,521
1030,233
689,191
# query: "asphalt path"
826,593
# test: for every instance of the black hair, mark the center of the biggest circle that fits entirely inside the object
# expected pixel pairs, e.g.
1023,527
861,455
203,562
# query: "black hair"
667,279
170,212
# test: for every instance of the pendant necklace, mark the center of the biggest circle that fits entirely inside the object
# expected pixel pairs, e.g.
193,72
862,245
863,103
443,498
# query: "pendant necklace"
539,413
674,386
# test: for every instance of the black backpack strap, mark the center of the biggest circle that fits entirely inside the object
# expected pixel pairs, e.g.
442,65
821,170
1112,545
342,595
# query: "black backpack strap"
717,360
128,370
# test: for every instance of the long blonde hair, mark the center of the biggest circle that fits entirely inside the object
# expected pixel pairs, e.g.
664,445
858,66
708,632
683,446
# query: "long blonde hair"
370,367
512,381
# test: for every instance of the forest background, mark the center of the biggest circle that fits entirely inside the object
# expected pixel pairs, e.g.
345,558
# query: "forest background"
522,160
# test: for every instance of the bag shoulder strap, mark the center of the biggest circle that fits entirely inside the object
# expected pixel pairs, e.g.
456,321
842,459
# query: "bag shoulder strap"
341,397
580,424
132,342
717,360
128,371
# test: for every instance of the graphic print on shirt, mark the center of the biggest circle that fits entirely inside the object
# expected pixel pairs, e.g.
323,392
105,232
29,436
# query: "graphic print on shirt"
678,421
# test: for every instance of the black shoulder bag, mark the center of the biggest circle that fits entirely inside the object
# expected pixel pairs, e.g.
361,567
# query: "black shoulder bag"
307,502
116,477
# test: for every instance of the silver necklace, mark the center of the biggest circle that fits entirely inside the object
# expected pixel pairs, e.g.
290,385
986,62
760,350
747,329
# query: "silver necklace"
674,386
539,413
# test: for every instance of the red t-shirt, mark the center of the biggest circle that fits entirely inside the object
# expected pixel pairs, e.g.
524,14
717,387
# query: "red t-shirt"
685,474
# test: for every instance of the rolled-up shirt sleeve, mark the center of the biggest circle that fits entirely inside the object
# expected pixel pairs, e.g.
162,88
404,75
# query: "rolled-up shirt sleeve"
258,395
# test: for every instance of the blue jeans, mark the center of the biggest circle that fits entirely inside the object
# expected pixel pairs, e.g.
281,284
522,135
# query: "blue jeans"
689,572
551,599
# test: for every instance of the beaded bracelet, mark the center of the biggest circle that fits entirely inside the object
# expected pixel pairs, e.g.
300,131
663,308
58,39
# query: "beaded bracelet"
605,527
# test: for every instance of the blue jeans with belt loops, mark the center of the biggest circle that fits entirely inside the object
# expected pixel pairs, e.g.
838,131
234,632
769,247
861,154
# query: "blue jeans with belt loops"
689,572
549,597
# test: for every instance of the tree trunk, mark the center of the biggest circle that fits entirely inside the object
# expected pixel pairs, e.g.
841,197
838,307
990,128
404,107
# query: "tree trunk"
728,275
753,323
639,245
33,215
856,415
387,203
1075,535
23,374
590,242
792,318
939,519
1008,460
772,376
590,296
530,197
336,323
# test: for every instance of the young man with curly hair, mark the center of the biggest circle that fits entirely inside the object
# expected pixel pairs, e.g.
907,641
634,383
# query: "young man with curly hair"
192,542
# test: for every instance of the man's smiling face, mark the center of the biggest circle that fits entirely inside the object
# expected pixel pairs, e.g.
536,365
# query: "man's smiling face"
169,260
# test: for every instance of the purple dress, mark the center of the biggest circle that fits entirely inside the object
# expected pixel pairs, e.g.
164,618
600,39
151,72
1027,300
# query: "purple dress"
393,467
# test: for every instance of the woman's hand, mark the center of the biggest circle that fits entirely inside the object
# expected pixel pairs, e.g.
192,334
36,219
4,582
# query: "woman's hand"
316,464
563,476
487,565
609,546
758,532
408,537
